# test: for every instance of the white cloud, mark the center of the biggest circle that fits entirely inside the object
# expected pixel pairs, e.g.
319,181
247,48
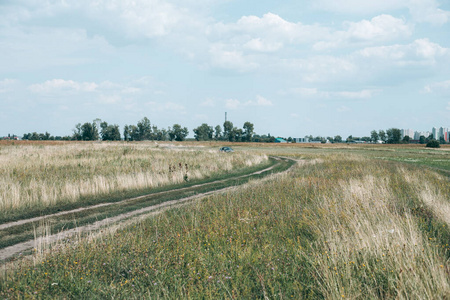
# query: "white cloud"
230,59
379,29
61,85
322,68
428,11
208,103
168,107
383,27
343,109
420,10
314,92
236,104
232,103
438,87
259,45
32,48
109,99
421,51
139,18
6,85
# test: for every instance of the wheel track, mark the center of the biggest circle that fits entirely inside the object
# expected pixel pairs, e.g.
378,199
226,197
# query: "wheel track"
11,251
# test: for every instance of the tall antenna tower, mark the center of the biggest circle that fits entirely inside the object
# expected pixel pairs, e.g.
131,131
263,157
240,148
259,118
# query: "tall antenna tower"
225,116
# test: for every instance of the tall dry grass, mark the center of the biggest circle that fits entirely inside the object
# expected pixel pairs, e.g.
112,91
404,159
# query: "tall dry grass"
45,175
339,227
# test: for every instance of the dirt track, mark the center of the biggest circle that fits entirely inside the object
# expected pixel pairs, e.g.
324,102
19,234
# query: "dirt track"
11,251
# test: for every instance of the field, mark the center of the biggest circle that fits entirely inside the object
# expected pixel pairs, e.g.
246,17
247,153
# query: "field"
346,222
36,177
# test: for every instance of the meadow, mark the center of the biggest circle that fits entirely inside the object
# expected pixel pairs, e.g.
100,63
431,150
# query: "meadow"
344,223
39,176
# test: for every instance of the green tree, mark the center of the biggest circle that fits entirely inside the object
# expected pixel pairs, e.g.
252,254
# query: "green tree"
393,135
406,139
218,133
134,133
204,132
421,139
77,132
109,132
178,133
374,136
248,132
126,133
89,131
382,135
338,139
227,128
144,129
433,144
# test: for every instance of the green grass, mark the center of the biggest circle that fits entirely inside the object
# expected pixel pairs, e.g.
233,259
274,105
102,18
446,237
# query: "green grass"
25,232
342,225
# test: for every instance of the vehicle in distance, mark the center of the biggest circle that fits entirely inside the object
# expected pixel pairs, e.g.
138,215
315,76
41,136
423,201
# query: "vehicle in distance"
226,149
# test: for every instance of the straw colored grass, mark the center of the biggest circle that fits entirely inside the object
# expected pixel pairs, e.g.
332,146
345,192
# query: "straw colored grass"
340,227
46,175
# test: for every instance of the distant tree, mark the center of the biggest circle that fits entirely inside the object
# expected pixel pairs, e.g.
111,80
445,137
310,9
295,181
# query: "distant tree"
204,132
338,139
406,139
163,135
77,132
289,139
248,131
144,129
178,133
89,131
421,139
218,133
134,133
393,135
126,133
227,128
350,139
442,140
433,144
382,135
374,136
238,134
109,132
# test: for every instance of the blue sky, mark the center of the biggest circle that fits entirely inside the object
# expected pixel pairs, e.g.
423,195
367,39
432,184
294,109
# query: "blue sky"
320,67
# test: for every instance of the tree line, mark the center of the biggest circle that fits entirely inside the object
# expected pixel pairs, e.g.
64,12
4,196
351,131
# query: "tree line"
144,130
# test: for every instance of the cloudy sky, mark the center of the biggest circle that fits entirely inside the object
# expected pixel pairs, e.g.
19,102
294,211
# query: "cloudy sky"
320,67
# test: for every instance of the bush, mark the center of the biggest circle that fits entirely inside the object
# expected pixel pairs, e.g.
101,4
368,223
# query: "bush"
433,144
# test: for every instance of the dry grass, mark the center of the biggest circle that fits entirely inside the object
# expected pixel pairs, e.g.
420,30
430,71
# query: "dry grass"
342,226
43,175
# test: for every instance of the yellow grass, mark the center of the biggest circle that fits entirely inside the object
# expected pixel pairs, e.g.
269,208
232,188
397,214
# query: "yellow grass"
43,175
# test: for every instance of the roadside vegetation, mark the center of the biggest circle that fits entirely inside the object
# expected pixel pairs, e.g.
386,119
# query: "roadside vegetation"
41,178
341,224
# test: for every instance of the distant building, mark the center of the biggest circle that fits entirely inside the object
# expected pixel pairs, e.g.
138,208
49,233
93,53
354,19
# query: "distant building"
301,140
418,134
280,140
435,133
407,132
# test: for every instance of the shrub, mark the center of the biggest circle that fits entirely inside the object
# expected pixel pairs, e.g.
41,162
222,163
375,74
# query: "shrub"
433,144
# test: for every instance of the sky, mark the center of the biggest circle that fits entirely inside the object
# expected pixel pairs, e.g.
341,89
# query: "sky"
292,68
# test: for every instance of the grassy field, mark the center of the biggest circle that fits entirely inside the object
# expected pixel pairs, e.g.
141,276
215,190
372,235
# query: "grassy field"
37,177
345,223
